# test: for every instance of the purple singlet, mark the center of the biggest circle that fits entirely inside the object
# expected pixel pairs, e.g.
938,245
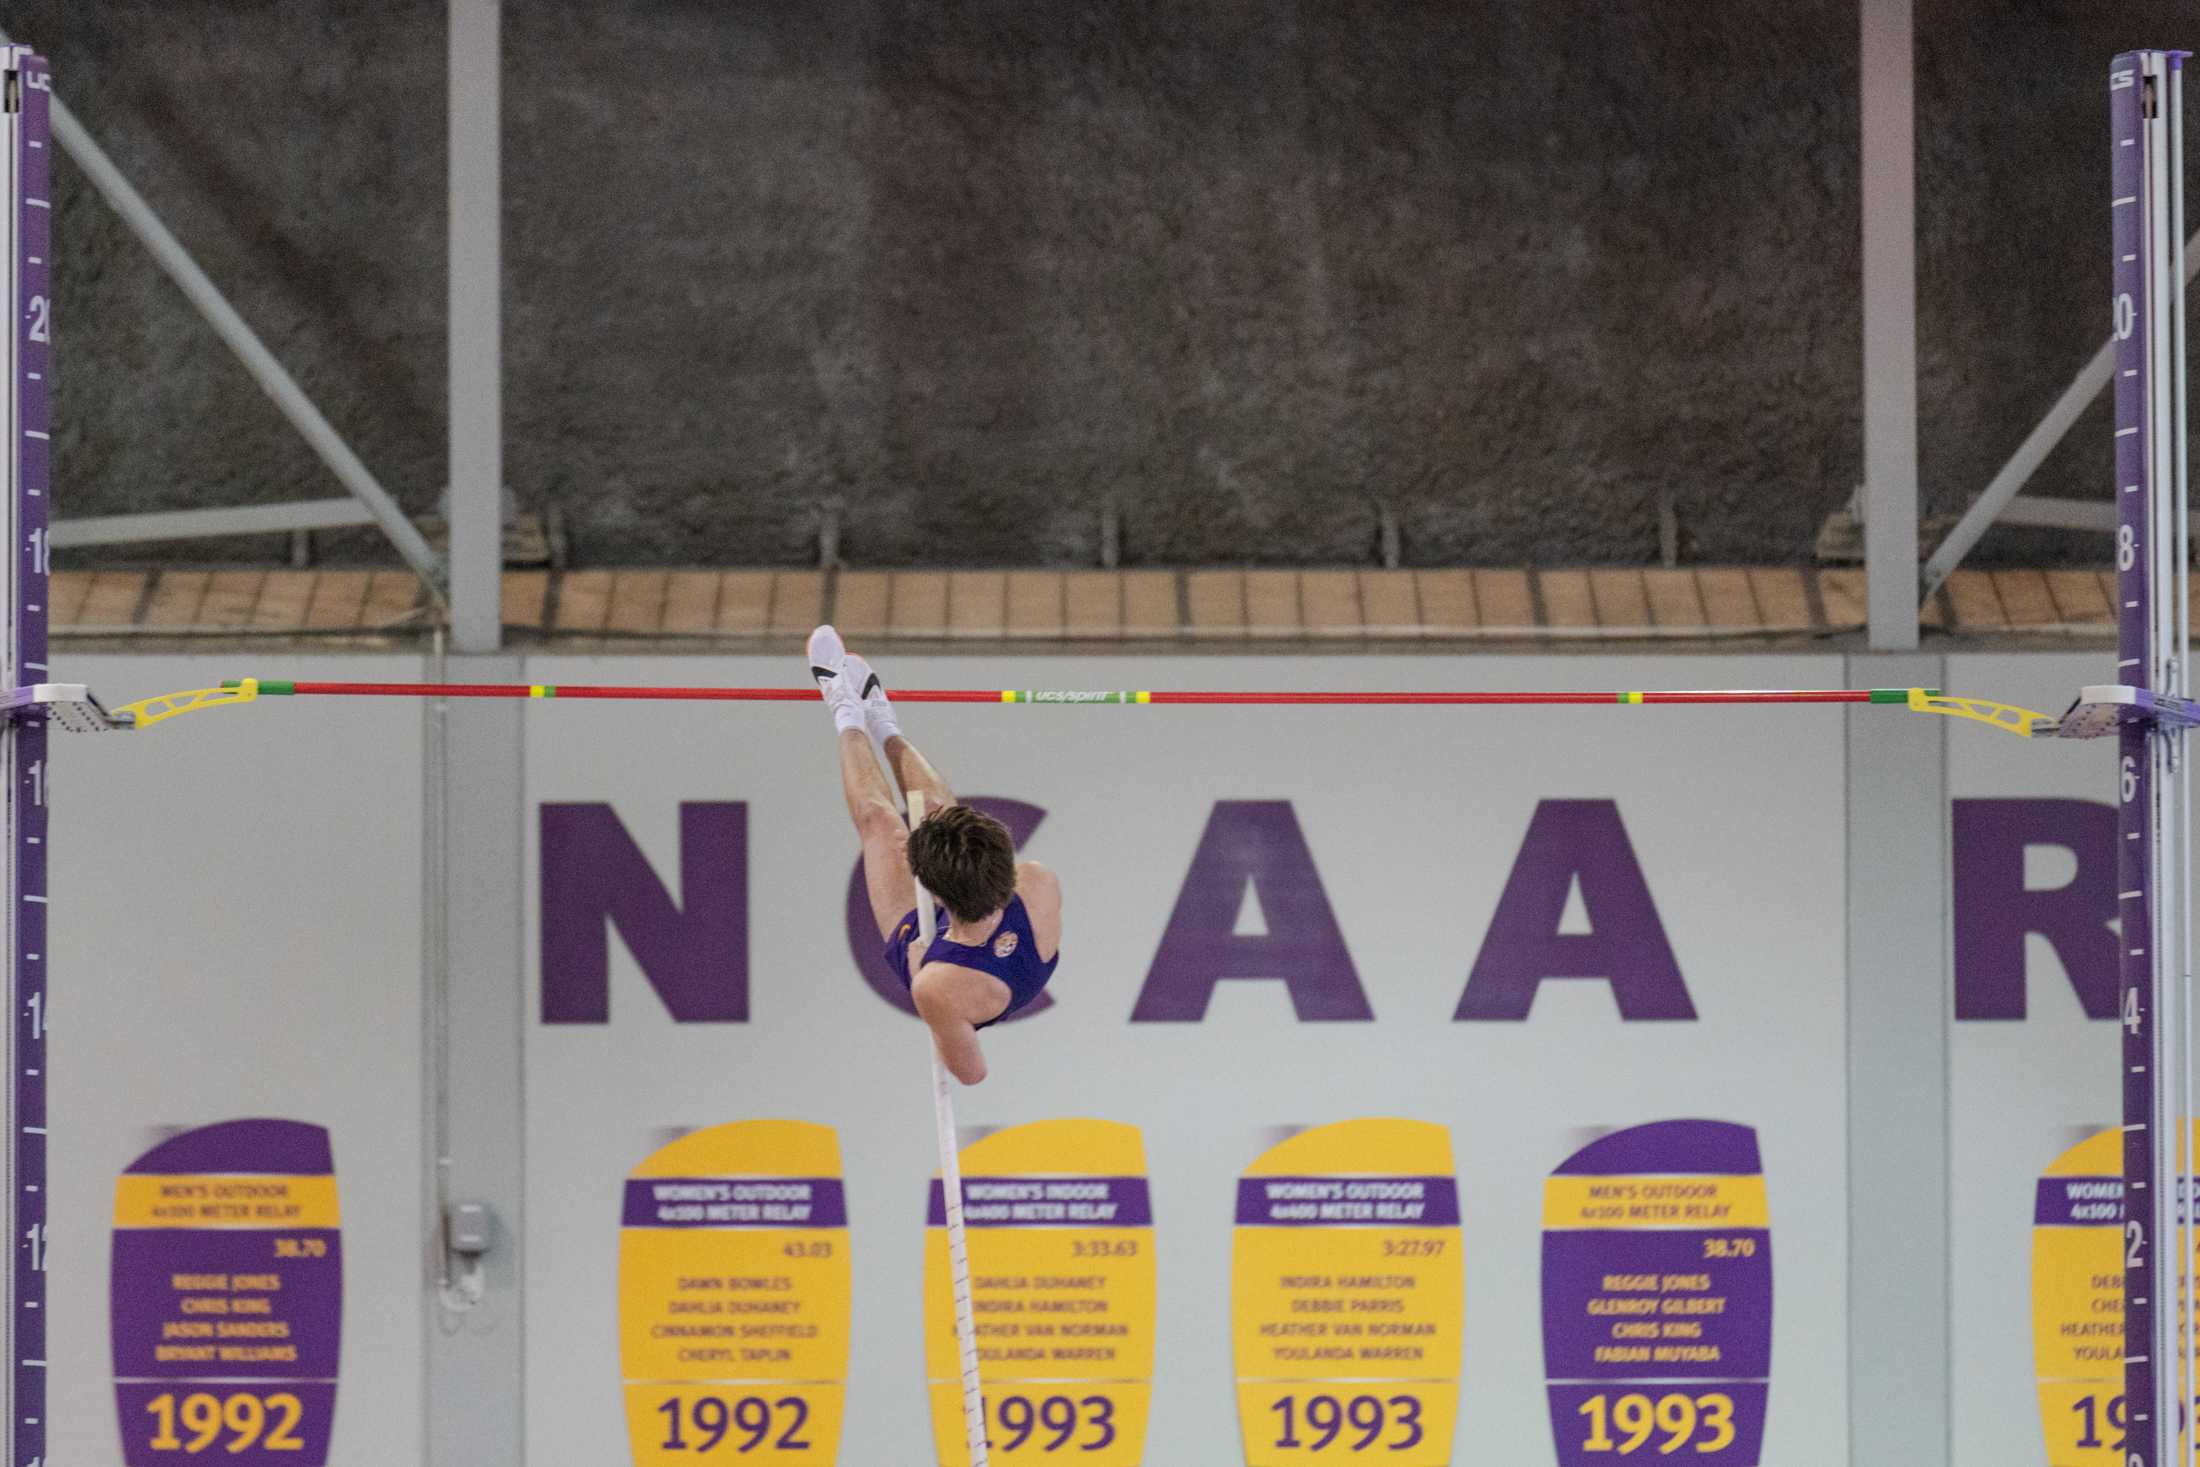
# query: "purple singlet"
1011,954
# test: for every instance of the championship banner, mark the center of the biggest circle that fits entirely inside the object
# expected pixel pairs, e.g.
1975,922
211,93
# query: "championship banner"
2078,1303
1657,1297
734,1290
1062,1280
227,1297
1348,1297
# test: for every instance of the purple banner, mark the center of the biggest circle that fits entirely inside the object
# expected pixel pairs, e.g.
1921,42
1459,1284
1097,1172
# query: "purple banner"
293,1420
241,1148
1348,1202
226,1329
1046,1202
1634,1305
196,1304
735,1202
1670,1148
1657,1339
1721,1425
2079,1202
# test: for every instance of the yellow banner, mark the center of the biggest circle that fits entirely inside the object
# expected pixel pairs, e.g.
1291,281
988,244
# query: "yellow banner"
1349,1336
225,1201
1063,1292
735,1291
1655,1202
756,1422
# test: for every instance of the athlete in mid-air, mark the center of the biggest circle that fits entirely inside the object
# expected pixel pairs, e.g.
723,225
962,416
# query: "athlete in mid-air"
999,929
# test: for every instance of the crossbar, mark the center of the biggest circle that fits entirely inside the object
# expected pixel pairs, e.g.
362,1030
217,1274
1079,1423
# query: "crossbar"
278,688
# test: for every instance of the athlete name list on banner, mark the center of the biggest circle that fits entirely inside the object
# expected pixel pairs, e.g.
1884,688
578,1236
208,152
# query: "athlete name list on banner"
2078,1303
734,1289
1657,1297
1348,1297
1059,1224
227,1297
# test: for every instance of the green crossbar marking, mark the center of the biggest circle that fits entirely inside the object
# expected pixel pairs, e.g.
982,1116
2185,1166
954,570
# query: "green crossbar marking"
281,688
549,690
1890,695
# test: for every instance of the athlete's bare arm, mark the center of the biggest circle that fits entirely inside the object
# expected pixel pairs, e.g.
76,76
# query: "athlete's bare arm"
1041,890
954,1001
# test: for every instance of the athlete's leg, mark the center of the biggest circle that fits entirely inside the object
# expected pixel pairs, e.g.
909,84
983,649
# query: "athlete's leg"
879,826
870,799
915,774
912,771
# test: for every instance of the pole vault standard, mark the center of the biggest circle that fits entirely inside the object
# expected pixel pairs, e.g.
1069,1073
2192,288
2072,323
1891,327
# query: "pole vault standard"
26,141
951,1202
2146,107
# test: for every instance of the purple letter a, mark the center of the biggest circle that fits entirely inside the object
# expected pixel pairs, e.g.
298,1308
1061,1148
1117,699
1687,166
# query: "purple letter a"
1572,841
695,954
1256,842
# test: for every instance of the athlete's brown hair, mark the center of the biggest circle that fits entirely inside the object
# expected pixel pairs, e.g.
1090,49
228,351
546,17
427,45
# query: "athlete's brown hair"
966,859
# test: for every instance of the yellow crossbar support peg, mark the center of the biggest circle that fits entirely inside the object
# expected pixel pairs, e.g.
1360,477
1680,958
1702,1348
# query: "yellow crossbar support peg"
2025,723
147,711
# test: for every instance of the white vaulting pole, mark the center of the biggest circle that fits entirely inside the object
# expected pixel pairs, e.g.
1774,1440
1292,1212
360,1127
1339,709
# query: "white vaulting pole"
951,1192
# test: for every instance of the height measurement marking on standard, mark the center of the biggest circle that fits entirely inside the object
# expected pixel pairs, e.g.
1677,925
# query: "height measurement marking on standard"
23,742
2147,301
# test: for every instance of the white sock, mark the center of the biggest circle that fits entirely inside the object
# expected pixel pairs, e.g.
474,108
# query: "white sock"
878,712
878,716
847,714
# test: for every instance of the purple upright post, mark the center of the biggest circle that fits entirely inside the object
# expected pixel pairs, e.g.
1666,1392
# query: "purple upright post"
2150,546
28,94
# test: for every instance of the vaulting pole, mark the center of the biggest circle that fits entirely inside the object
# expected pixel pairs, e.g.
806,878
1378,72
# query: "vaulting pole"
951,1192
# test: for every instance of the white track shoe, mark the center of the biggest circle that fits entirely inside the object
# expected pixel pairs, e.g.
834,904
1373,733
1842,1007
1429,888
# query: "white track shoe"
878,711
829,665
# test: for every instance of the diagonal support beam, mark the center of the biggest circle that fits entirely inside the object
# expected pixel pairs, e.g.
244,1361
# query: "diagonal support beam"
200,524
274,379
2030,454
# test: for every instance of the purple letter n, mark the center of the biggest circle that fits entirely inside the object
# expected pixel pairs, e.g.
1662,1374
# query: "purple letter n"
695,954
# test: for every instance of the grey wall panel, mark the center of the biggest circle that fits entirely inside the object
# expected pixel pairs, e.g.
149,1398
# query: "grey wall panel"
235,933
1898,1045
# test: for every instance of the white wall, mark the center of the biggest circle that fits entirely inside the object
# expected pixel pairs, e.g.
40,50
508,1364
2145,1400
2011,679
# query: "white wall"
237,933
1414,817
2020,1093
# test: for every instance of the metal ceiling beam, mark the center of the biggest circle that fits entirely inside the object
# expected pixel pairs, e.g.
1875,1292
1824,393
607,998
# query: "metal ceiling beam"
2001,491
273,378
476,325
205,524
1889,129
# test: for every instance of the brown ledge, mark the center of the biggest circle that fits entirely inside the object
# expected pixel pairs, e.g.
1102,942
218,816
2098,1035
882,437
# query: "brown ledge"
1207,609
